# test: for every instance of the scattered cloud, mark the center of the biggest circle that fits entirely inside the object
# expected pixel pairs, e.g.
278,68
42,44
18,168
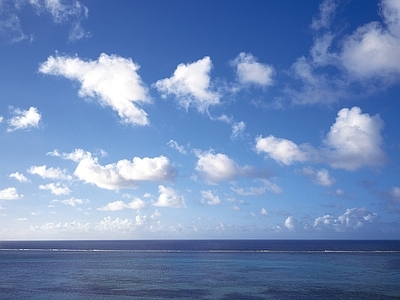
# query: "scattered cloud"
353,218
377,42
49,173
291,223
135,204
264,212
207,197
19,176
112,79
249,71
56,188
122,174
169,198
24,119
191,86
10,194
282,150
218,167
354,141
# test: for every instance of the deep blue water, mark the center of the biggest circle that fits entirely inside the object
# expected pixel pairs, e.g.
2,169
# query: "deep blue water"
199,269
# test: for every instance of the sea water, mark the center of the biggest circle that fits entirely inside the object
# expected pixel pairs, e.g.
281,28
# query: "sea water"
200,269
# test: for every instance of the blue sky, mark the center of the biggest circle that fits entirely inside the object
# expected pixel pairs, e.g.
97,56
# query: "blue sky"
199,119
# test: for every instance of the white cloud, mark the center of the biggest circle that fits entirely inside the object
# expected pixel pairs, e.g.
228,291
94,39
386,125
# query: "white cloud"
173,144
264,212
56,188
18,176
238,129
354,141
353,218
71,202
112,79
208,198
320,177
135,204
10,194
249,71
124,173
169,197
24,119
291,223
219,167
108,224
50,173
377,43
282,150
190,84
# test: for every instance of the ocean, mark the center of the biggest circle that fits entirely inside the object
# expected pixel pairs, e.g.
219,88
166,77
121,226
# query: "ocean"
200,269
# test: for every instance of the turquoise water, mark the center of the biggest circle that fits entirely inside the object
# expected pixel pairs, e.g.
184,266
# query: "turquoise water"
200,270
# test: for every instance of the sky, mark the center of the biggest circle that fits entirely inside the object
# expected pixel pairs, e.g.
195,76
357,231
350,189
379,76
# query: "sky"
199,119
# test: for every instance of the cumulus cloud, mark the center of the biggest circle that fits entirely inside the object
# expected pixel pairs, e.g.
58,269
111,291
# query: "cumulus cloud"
135,204
207,197
353,218
124,173
10,194
56,188
112,79
24,119
249,71
191,85
49,173
218,167
353,141
282,150
291,223
19,176
264,212
117,225
168,197
377,43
